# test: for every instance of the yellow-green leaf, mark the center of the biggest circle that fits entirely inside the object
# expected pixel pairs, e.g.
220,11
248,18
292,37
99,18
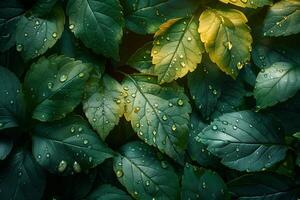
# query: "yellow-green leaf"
248,3
177,49
227,38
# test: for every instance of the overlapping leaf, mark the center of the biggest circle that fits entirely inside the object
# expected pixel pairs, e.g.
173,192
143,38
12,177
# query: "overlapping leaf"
226,38
177,49
144,175
104,104
98,23
245,141
249,3
159,114
54,86
107,192
43,7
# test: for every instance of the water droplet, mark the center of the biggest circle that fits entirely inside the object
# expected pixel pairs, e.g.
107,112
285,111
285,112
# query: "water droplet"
154,132
180,102
19,47
155,52
228,45
137,109
225,122
76,167
170,104
164,164
94,119
81,75
234,127
72,129
244,1
71,26
62,166
239,65
215,92
20,173
189,39
250,125
125,88
182,64
48,155
164,117
203,185
174,127
147,183
119,173
214,127
1,124
181,56
85,141
141,133
237,149
63,78
54,35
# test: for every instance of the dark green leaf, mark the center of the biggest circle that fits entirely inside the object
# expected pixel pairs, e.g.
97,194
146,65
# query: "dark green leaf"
54,86
202,184
245,141
68,146
107,192
43,7
35,35
143,174
22,178
6,145
159,114
98,23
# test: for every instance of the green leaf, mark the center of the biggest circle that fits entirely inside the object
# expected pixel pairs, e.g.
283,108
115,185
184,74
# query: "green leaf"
54,86
10,13
6,145
226,38
68,146
263,186
244,140
43,7
276,84
177,49
12,105
248,3
107,192
141,60
282,19
205,87
159,114
143,174
202,184
144,16
297,135
35,35
104,104
22,178
98,24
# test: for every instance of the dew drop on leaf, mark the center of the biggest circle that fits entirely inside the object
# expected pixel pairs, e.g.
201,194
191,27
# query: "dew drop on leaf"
119,173
76,167
62,166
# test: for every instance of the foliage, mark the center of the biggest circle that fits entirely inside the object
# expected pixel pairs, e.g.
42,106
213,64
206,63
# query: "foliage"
139,99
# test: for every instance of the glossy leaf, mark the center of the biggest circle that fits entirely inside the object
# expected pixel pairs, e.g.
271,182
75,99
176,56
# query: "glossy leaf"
54,86
248,3
267,186
22,178
283,19
98,24
276,84
159,114
107,192
144,16
68,146
34,35
226,38
143,174
12,105
104,104
245,141
177,49
202,184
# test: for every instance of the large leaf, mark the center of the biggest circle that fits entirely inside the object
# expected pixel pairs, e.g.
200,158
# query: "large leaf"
68,146
98,23
263,186
144,16
144,175
248,3
22,178
35,35
54,86
107,192
202,184
244,140
276,84
177,49
226,38
283,18
159,114
10,13
104,104
12,106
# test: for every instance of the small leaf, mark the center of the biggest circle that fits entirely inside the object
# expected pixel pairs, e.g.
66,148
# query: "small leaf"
145,16
248,3
54,86
244,140
143,175
35,35
267,186
12,105
98,23
177,49
104,104
141,60
107,192
6,145
68,146
282,19
202,184
226,38
276,84
22,178
159,114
